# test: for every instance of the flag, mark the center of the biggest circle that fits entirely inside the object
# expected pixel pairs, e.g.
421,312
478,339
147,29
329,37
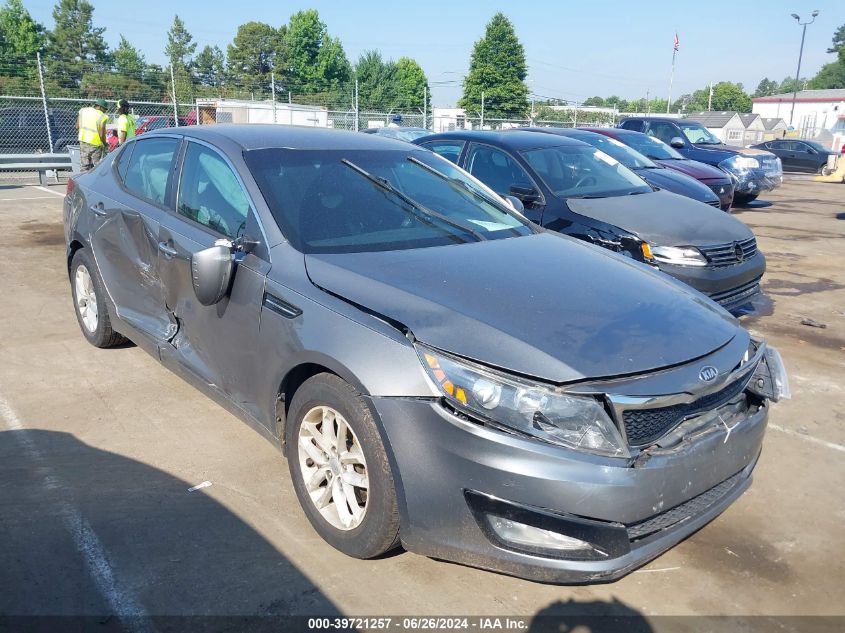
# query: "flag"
677,42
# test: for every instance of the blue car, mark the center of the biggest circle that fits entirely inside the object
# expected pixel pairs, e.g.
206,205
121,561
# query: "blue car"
754,171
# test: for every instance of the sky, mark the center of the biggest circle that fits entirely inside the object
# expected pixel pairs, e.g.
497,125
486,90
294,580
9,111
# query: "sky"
574,50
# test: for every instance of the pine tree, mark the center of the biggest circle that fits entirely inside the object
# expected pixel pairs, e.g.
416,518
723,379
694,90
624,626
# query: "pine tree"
75,46
411,85
317,61
180,45
376,81
128,60
210,67
497,68
257,52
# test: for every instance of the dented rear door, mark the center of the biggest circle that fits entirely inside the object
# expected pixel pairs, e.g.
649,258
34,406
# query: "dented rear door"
125,221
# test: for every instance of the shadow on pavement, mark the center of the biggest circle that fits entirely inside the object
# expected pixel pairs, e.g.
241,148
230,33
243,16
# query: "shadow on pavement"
86,532
595,616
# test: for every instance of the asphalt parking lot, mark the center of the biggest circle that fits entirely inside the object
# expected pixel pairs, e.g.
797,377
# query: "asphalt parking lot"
98,449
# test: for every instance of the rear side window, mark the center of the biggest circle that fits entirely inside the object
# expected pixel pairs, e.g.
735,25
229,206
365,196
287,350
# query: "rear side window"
149,168
121,163
664,131
211,194
450,150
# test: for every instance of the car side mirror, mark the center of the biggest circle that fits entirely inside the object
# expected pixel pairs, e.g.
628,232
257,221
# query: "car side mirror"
211,272
514,203
676,141
526,195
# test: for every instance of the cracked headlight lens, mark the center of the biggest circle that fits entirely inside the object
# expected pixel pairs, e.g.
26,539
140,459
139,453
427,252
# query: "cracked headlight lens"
679,255
545,413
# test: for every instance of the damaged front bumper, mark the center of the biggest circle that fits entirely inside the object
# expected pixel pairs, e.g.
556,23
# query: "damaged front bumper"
476,495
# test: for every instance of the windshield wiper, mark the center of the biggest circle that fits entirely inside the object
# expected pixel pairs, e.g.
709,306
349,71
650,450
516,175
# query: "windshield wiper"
421,210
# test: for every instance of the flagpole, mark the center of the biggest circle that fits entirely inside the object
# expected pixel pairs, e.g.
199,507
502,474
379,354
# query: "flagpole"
671,79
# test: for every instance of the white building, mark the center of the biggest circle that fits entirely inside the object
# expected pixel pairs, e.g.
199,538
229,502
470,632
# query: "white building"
237,111
728,126
819,114
775,128
754,128
448,119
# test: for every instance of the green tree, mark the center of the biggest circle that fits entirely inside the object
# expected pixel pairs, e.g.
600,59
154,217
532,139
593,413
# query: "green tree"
376,81
21,38
832,75
766,87
595,101
210,67
789,84
497,68
75,46
317,61
256,52
411,86
180,45
128,60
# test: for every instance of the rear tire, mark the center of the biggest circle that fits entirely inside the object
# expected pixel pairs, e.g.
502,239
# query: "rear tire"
89,301
339,468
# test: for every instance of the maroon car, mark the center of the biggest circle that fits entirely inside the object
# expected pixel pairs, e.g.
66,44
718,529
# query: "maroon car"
719,181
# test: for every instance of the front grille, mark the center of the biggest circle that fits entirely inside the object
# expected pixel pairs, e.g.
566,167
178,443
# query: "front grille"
683,512
714,203
734,295
644,426
721,255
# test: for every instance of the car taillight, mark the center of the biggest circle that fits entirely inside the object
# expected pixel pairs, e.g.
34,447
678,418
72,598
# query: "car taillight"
71,185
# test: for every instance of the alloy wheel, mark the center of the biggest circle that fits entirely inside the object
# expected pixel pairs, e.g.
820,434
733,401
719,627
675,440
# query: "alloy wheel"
333,467
86,298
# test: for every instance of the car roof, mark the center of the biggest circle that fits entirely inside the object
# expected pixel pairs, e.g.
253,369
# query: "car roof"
514,139
262,136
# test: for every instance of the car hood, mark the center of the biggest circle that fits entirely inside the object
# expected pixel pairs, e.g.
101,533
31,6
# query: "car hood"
678,183
696,169
664,218
544,305
730,150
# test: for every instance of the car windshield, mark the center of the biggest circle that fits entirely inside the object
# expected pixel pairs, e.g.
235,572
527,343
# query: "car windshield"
650,146
349,201
698,134
579,171
631,158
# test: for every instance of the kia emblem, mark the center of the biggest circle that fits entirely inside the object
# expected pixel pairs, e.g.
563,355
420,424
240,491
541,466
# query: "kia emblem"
708,373
738,251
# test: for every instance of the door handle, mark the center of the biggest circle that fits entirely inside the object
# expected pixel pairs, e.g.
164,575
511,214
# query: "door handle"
168,250
98,209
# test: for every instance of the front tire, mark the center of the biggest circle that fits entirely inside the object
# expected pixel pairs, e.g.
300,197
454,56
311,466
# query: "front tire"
89,300
745,198
339,468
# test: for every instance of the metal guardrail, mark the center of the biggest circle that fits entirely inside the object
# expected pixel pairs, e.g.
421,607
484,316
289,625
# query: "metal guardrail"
42,163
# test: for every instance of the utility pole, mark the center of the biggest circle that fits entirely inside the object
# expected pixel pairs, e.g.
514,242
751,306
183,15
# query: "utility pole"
356,105
273,92
800,55
710,98
44,102
173,94
425,107
647,103
482,110
575,118
675,47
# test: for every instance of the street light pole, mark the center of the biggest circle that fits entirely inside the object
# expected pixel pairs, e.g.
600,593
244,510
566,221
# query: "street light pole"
800,55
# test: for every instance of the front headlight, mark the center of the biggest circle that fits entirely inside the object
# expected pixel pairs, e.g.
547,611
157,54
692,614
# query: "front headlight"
739,163
542,412
770,379
679,255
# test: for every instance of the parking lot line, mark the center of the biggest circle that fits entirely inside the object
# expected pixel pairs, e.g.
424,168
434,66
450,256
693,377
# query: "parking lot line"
32,198
55,193
121,602
809,438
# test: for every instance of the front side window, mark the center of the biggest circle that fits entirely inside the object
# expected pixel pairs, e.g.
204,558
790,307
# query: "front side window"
149,168
572,171
496,169
347,201
210,194
700,135
664,131
450,150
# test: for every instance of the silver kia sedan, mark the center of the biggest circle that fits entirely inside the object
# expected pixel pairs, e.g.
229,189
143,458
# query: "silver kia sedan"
438,371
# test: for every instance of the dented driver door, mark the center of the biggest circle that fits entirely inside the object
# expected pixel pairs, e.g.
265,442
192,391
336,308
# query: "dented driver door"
217,344
124,226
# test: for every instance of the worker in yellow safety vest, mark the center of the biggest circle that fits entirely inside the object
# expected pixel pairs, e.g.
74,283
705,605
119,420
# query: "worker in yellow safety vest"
91,123
125,122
